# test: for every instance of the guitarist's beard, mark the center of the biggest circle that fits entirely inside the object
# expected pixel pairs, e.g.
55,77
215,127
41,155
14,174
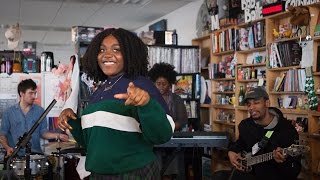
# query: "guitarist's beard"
257,117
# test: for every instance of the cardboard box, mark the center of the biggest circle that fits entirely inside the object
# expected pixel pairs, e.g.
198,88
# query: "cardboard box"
83,33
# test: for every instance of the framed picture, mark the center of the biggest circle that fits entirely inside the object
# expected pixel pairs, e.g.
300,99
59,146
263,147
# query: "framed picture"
187,86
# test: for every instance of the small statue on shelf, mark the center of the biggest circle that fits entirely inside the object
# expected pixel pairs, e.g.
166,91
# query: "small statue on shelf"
275,33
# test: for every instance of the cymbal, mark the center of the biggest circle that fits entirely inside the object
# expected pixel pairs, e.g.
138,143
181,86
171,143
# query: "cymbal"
62,145
77,150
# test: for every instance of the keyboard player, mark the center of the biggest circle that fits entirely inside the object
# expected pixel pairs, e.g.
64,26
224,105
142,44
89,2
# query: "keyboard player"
164,76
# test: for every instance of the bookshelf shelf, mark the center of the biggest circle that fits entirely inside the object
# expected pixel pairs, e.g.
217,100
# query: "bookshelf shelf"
316,38
202,38
252,50
223,53
280,15
286,92
315,135
315,113
294,111
205,105
250,23
218,106
290,39
316,73
224,79
284,68
224,122
225,92
251,65
205,68
242,108
249,80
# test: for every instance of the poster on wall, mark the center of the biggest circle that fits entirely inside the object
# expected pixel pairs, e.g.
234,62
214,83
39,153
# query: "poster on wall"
54,89
8,91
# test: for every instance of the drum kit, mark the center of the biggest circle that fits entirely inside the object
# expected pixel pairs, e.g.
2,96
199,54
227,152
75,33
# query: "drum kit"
58,163
38,165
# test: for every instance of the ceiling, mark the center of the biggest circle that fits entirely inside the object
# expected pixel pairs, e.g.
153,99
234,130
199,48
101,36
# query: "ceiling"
49,22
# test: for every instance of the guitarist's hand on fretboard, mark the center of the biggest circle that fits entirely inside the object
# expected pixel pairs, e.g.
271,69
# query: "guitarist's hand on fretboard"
235,160
278,155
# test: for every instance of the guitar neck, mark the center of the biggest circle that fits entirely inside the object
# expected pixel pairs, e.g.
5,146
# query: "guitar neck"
261,158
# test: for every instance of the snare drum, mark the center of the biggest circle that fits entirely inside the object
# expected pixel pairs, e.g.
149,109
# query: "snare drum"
38,165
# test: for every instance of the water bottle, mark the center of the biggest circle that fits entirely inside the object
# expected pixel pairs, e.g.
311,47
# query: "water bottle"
174,38
3,65
48,63
9,64
43,59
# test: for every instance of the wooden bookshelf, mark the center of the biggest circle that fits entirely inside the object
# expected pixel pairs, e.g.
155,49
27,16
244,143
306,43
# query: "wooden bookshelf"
241,112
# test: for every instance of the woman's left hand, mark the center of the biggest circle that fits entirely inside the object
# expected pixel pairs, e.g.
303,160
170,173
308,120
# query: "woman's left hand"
135,96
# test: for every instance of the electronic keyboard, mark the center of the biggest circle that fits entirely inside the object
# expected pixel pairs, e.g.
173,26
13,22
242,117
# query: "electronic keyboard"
197,139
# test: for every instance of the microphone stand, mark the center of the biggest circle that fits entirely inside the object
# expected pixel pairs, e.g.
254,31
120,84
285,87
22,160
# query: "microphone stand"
23,142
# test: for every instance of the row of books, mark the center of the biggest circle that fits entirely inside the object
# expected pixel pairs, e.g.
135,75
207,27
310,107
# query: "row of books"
284,54
251,37
223,69
191,108
293,80
239,39
223,41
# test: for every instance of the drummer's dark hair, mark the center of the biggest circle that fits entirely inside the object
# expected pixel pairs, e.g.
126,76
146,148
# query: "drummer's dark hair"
26,84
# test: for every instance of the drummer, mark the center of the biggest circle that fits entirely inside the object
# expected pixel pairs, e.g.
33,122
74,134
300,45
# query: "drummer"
20,118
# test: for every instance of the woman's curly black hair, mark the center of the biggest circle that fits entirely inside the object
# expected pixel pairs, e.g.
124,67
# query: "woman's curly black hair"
164,70
133,50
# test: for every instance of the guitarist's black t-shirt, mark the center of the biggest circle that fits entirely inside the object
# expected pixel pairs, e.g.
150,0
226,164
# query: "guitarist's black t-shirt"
283,136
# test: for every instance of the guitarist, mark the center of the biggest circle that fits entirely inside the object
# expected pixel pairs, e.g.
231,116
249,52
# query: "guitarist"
266,130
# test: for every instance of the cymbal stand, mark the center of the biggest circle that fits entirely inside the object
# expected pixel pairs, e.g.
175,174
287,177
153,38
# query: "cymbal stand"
27,170
58,155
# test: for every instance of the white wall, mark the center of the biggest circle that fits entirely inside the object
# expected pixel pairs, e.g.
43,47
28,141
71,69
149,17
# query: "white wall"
183,20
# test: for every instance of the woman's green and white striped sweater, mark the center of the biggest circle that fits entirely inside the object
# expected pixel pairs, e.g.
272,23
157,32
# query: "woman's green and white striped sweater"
120,138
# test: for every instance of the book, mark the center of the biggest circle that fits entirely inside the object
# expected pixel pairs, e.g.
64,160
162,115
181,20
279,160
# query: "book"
318,57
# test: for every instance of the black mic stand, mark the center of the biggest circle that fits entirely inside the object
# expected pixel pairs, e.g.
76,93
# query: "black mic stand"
23,142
